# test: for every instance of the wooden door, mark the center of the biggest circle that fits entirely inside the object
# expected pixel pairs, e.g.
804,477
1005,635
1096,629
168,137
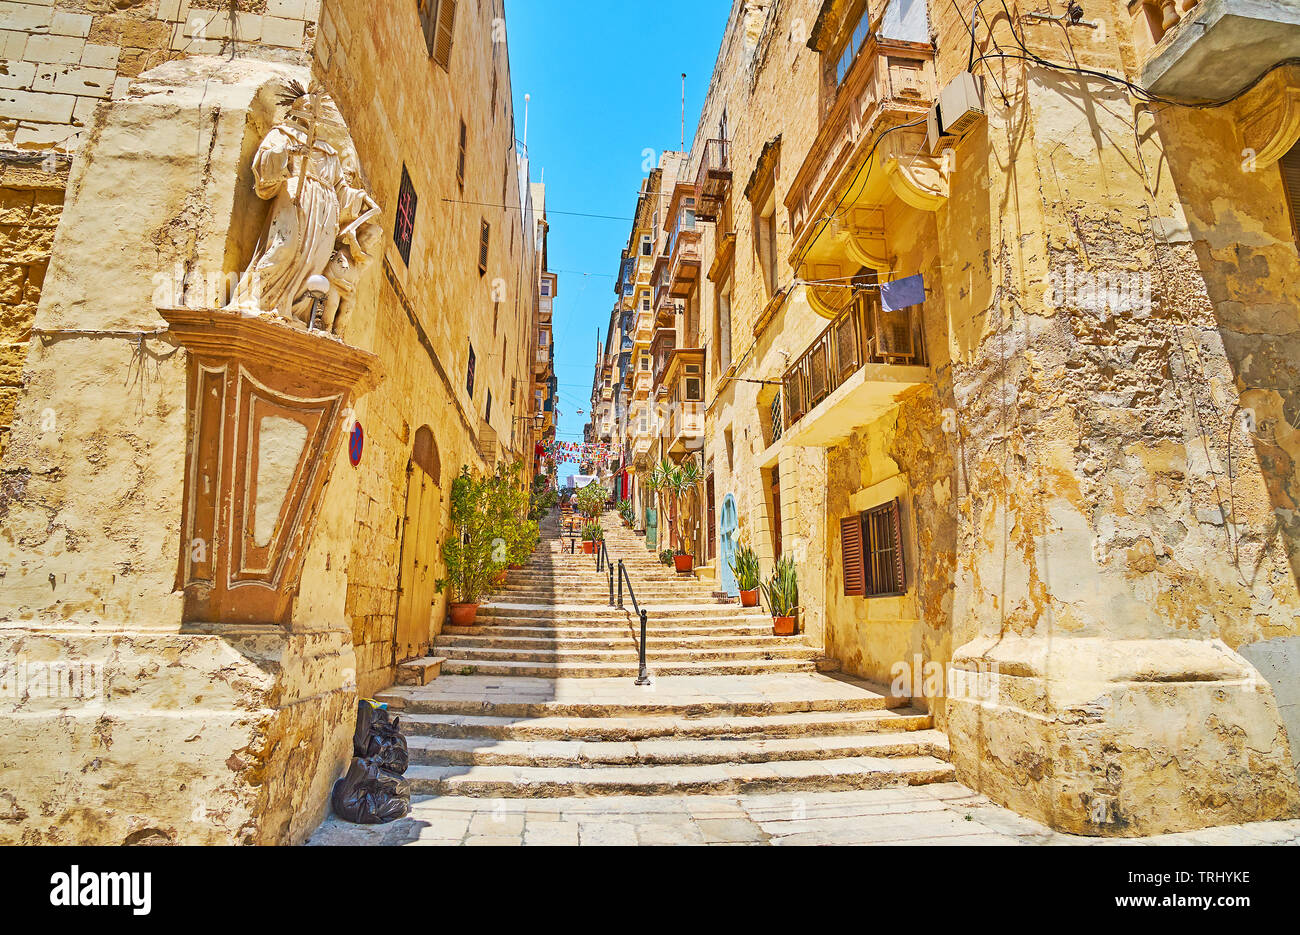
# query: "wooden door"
416,594
776,512
711,522
730,525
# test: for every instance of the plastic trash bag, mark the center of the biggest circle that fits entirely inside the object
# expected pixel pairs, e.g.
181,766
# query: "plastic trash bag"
368,794
377,738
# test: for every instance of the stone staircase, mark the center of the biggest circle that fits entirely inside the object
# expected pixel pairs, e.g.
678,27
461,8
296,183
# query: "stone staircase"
538,699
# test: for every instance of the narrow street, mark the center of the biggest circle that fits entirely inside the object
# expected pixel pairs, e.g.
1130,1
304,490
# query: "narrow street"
537,733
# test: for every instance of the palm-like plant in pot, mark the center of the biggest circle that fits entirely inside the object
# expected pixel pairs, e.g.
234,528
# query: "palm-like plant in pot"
744,565
468,551
679,480
781,591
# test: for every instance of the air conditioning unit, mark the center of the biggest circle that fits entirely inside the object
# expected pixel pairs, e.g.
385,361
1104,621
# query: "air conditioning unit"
959,108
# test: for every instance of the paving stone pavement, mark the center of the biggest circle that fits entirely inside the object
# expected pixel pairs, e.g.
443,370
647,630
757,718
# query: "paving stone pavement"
935,814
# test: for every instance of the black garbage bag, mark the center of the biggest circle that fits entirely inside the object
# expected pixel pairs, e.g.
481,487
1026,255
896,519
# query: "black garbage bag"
368,794
377,738
388,749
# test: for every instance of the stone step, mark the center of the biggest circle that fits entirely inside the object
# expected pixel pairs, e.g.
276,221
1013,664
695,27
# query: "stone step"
477,665
664,656
581,630
742,696
646,727
659,612
617,641
420,671
867,772
449,751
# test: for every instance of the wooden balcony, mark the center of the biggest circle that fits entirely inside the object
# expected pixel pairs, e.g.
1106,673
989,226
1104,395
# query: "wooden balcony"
683,261
890,82
853,372
713,179
661,350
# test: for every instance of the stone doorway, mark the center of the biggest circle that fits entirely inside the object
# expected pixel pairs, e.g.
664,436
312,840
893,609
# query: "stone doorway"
416,592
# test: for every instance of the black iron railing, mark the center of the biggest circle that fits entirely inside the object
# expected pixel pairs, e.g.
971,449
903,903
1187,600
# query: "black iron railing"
604,563
643,675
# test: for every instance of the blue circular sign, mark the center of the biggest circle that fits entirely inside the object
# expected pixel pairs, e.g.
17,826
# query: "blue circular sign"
356,441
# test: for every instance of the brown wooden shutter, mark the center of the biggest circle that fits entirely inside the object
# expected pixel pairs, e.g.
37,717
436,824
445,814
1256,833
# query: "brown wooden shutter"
445,29
1290,166
851,556
484,239
900,577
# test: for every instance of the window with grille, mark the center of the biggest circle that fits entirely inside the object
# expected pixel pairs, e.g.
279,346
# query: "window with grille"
487,412
484,240
882,551
404,223
469,375
438,23
1290,165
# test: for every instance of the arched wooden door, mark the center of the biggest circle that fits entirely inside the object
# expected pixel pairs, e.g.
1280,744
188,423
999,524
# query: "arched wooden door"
728,526
420,557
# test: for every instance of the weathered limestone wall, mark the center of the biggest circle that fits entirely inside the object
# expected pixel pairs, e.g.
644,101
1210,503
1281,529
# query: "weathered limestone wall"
60,58
175,733
414,123
31,199
1096,573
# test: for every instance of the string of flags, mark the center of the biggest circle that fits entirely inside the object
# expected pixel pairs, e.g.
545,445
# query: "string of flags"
560,451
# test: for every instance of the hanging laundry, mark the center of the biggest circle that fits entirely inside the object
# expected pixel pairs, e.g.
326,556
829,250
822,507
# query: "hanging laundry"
902,292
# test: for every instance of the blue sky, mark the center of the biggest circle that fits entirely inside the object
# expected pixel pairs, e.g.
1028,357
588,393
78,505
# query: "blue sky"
605,81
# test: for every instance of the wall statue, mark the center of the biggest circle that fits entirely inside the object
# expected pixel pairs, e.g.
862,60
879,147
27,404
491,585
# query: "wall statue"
322,221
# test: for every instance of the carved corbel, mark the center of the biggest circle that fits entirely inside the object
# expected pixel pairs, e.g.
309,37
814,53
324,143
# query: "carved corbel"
917,179
1270,120
865,243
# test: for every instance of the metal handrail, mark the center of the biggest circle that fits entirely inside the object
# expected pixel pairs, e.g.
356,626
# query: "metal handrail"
605,563
643,676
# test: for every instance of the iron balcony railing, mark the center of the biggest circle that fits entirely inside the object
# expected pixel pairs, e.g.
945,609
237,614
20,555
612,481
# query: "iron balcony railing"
861,334
712,179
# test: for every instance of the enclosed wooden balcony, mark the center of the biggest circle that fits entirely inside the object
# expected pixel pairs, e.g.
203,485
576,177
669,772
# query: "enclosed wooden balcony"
661,352
854,372
713,179
890,82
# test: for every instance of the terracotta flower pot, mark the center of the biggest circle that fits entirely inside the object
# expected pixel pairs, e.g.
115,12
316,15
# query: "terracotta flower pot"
462,615
783,626
588,546
683,563
749,598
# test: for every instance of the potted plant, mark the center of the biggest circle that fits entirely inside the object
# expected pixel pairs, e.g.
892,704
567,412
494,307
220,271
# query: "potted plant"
666,557
744,565
468,550
591,534
782,593
624,508
678,480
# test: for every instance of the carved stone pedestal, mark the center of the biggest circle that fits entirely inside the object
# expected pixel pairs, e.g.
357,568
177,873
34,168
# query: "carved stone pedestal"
265,406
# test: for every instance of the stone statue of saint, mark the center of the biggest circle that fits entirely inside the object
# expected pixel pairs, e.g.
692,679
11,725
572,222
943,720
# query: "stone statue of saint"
321,220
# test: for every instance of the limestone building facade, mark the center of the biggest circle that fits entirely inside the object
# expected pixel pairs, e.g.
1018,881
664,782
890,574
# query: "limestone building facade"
996,313
220,525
